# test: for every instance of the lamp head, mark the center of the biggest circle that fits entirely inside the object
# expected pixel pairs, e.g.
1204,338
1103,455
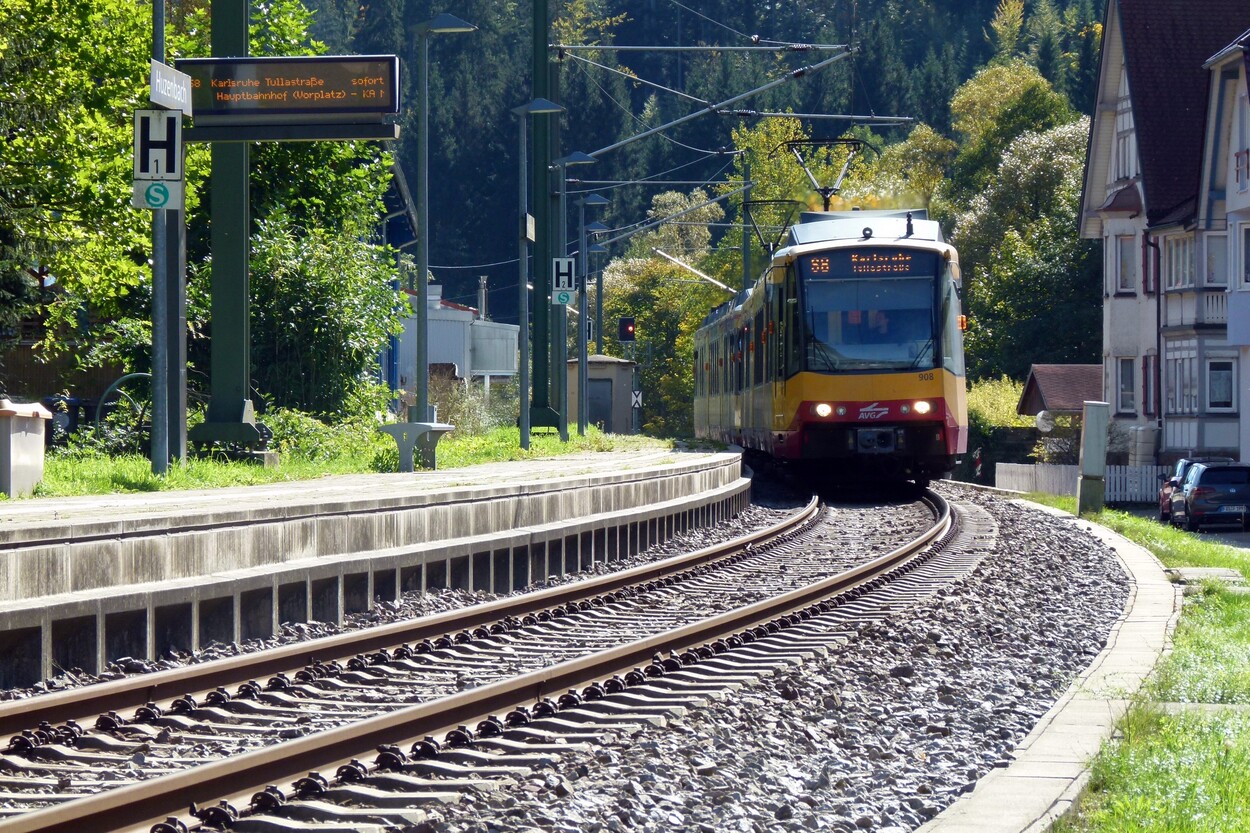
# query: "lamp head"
537,107
446,23
575,158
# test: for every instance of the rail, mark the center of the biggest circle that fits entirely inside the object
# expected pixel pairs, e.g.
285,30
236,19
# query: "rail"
237,779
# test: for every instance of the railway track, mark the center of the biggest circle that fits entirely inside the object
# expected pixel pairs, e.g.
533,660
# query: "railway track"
535,673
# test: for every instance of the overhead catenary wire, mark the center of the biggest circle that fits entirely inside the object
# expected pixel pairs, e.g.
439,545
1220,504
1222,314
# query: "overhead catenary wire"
789,76
639,79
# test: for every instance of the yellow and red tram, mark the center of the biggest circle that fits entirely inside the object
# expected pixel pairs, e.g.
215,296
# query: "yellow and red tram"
846,356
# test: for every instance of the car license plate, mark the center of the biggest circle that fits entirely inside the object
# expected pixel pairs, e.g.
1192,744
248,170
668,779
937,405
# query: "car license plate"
1231,508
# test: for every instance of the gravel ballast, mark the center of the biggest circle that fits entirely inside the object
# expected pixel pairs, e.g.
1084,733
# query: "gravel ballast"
880,735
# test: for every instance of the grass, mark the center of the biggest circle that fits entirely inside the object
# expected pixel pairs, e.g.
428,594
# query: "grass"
81,473
1210,660
1170,774
1179,773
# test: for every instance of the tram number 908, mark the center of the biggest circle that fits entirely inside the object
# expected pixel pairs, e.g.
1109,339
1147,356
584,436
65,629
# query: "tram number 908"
927,377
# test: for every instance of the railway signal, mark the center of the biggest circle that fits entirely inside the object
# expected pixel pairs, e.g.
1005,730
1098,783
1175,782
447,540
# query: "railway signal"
625,330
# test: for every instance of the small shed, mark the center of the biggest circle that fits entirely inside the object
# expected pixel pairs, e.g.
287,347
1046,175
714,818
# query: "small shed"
609,393
1060,388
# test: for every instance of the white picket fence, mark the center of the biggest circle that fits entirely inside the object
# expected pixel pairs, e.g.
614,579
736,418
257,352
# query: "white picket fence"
1124,484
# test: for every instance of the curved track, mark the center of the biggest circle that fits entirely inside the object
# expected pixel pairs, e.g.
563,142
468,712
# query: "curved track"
345,690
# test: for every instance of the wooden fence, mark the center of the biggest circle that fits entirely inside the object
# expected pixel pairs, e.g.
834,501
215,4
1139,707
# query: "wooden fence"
1124,484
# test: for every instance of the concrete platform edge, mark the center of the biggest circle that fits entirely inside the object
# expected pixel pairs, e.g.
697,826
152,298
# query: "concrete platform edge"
1051,766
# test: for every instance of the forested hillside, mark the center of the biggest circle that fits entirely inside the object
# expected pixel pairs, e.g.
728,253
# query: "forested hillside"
994,94
911,58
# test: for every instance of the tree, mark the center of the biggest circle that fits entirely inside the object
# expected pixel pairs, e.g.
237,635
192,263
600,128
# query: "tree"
1006,28
1032,287
998,104
322,308
668,304
70,75
910,172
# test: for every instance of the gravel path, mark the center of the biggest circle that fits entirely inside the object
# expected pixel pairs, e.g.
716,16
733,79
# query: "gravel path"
879,736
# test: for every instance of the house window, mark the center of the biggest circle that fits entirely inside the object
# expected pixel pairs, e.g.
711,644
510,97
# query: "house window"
1125,136
1178,261
1126,263
1220,385
1245,256
1181,385
1126,396
1149,399
1216,272
1241,159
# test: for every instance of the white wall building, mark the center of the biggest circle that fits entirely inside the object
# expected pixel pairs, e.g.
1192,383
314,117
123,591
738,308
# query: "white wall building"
1226,186
1152,196
478,349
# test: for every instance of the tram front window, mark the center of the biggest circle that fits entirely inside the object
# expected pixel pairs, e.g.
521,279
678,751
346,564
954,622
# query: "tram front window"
876,322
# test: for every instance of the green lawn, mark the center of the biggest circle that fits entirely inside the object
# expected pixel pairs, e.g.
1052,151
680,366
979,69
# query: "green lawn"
1179,773
85,473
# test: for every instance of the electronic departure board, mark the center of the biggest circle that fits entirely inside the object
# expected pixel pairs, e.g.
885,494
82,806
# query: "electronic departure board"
870,262
293,89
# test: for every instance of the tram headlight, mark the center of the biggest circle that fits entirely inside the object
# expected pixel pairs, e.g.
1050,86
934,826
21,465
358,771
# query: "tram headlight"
922,407
840,410
823,409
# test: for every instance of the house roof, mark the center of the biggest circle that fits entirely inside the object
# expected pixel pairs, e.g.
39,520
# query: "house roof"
1060,388
1166,43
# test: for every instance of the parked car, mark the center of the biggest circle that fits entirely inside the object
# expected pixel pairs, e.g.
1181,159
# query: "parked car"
1170,482
1213,493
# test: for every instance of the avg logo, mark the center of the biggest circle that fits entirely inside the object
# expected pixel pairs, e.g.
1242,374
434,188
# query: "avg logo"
874,411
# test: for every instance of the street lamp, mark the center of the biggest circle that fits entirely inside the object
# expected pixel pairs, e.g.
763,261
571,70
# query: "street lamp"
595,249
537,107
440,24
560,318
583,259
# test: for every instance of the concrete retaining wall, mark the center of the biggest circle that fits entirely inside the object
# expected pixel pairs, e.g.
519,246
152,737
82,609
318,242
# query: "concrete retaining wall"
81,595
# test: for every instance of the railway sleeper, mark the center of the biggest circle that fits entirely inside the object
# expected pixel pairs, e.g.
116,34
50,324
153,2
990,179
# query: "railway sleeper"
481,766
365,795
402,783
323,812
613,715
550,743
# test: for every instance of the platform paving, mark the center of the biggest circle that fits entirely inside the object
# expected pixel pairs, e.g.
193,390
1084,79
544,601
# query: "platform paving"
87,580
1051,765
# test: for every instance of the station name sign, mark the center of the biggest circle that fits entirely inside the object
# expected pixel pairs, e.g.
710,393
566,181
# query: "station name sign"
296,89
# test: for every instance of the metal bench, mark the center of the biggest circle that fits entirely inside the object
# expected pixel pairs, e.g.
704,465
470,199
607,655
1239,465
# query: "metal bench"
410,436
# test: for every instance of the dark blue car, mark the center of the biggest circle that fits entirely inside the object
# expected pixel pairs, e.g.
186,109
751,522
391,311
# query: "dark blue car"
1213,493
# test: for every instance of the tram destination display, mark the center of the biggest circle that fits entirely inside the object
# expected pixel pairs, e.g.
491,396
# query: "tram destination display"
296,89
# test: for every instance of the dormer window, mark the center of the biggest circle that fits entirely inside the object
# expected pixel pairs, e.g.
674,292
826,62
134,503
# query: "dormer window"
1125,166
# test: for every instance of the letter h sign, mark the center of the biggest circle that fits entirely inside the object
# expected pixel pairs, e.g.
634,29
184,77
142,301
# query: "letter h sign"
158,144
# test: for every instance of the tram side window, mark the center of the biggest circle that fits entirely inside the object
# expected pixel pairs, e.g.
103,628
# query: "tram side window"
952,338
757,356
739,360
698,375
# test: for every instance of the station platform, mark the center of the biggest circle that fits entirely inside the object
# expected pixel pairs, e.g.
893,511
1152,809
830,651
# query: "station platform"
87,580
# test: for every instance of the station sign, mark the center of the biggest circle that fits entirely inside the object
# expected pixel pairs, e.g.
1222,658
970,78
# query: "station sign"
157,195
292,89
158,145
563,276
170,88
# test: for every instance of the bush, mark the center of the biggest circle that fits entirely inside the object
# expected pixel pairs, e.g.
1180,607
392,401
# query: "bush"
994,427
305,436
468,408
